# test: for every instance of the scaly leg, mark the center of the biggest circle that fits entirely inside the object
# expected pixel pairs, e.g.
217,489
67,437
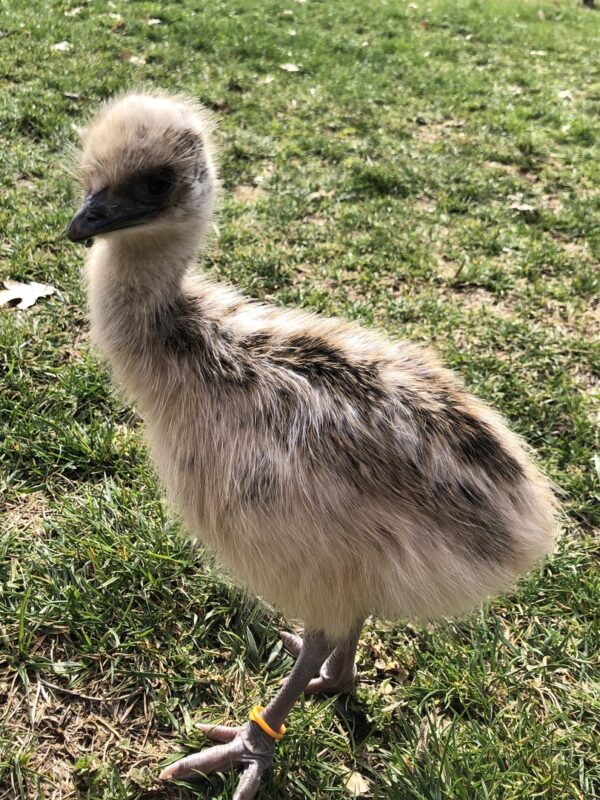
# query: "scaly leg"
338,673
249,746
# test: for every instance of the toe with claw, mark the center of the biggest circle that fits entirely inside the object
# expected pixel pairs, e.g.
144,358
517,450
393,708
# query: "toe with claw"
337,675
247,747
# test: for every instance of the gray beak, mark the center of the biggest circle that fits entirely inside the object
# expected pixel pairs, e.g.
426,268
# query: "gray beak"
101,214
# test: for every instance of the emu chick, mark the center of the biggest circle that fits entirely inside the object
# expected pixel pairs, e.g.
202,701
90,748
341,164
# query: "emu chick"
335,472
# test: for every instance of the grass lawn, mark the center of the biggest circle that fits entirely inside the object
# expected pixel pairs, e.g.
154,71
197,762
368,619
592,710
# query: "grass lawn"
431,168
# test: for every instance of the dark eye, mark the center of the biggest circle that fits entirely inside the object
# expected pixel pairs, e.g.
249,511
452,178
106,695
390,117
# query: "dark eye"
159,183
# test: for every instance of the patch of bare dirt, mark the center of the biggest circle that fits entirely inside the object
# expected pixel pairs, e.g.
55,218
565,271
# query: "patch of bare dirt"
425,204
509,169
245,193
551,202
579,250
556,315
589,383
593,317
74,351
448,268
24,182
27,514
477,298
346,284
265,175
315,219
559,315
432,132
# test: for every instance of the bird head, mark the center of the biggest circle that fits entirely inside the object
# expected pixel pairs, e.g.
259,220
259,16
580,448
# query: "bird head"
146,167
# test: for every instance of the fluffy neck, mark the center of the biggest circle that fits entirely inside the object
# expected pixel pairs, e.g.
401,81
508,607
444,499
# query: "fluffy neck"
132,277
155,258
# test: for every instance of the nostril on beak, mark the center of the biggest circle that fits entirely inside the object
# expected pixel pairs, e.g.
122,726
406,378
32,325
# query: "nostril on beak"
96,214
92,215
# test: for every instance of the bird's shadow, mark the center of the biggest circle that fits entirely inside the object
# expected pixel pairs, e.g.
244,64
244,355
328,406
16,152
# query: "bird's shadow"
354,719
217,786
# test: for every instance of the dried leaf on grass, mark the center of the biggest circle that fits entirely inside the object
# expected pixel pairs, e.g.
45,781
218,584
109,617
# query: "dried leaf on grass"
522,207
357,785
526,210
26,293
125,55
248,194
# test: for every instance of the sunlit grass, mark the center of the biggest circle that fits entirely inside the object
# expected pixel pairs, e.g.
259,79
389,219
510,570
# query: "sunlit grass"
432,168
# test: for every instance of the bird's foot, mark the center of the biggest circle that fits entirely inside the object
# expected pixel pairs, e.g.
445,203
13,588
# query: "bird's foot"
247,746
337,675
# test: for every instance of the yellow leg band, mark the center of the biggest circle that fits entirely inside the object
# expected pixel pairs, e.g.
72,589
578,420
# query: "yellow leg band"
255,716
